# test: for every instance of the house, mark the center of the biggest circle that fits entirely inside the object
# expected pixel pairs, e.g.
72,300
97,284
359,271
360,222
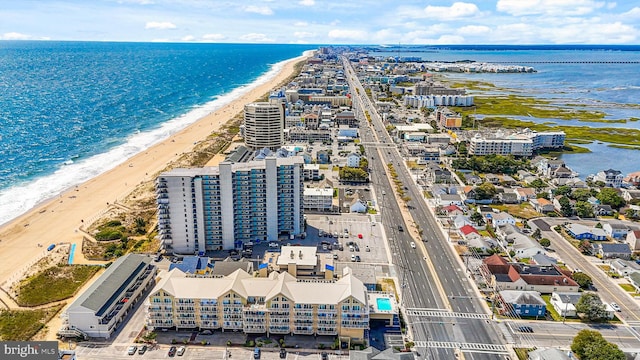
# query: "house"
608,251
523,303
525,194
565,303
502,218
548,354
494,179
558,207
603,210
517,276
610,178
508,197
482,243
469,232
194,265
449,199
353,160
461,220
472,179
542,205
581,232
544,259
508,180
631,196
634,279
633,239
322,157
526,247
624,267
615,230
562,172
452,210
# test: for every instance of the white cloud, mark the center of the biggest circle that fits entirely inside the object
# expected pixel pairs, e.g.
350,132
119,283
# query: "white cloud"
357,35
588,32
473,30
611,5
307,2
139,2
159,25
457,10
300,23
255,37
549,7
633,13
303,34
188,38
15,36
213,37
262,10
423,37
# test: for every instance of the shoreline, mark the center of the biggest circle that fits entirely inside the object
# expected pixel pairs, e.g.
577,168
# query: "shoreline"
57,219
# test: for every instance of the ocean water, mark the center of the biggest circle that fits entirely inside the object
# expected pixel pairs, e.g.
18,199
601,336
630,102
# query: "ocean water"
607,85
72,110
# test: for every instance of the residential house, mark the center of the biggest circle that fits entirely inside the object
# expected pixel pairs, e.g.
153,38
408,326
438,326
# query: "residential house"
623,267
523,303
449,199
468,232
631,196
615,230
573,182
322,157
558,207
472,179
544,259
508,180
562,172
633,239
634,279
502,218
494,179
358,206
353,160
482,243
525,194
608,251
508,197
195,265
565,303
452,210
593,201
542,205
548,354
581,232
516,276
461,220
610,178
603,210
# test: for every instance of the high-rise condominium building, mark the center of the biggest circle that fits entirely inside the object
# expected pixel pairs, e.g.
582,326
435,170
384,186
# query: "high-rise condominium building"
222,207
264,124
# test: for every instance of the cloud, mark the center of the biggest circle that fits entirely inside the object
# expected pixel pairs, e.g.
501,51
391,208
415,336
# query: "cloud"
457,10
300,23
262,10
307,2
549,7
633,13
188,38
303,34
139,2
157,25
255,37
15,36
213,37
348,34
473,30
589,32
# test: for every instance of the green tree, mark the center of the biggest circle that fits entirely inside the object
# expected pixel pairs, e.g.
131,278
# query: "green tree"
591,307
486,190
538,184
581,194
590,345
477,218
584,209
582,279
537,234
544,242
585,247
563,190
609,196
565,206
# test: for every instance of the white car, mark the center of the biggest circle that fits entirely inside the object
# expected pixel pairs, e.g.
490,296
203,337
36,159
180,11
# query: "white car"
413,245
615,307
353,258
273,245
132,350
180,351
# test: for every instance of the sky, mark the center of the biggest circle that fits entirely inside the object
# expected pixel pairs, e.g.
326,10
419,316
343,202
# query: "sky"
325,21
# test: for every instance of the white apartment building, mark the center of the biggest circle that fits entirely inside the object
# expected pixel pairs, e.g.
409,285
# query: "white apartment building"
318,199
276,304
222,207
264,124
520,144
431,101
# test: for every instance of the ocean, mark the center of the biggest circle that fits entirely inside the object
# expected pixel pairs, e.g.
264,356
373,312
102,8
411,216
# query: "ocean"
609,83
72,110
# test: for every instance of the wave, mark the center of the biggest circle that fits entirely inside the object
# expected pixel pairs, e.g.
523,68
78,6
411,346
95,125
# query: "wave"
18,199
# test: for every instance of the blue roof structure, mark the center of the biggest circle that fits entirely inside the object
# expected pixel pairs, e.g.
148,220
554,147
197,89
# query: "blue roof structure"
191,264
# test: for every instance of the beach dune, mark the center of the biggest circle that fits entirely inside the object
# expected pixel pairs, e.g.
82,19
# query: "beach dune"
57,220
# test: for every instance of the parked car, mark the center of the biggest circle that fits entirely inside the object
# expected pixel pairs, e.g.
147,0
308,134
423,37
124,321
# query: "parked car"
181,351
615,307
132,350
335,256
283,353
359,236
367,249
413,245
324,355
142,349
172,351
353,258
357,258
400,228
256,353
273,245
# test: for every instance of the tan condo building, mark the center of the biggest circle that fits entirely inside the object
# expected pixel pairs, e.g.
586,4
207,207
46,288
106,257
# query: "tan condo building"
277,304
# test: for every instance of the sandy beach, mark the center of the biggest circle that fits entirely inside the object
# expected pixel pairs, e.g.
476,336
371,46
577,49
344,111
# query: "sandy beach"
58,220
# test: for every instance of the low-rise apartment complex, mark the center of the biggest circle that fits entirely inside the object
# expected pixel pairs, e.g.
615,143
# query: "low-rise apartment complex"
277,304
520,144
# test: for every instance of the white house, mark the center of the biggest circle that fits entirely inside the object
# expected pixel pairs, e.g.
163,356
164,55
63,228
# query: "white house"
502,218
616,230
353,160
449,199
633,239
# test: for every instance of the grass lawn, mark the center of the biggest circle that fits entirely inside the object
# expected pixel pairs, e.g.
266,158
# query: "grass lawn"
605,268
628,288
522,353
554,314
54,284
21,325
523,211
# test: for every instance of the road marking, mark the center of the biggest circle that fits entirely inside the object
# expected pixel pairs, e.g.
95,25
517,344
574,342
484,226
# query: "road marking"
444,314
464,347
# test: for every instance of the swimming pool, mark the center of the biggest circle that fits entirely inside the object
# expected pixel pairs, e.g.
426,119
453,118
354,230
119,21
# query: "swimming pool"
384,304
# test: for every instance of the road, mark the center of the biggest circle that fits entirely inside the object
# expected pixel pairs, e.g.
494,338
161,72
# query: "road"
450,290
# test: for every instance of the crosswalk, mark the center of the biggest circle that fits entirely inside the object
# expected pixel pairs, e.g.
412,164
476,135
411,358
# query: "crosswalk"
437,313
464,347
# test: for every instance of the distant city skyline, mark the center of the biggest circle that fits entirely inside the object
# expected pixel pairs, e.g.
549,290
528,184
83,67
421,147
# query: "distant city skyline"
325,21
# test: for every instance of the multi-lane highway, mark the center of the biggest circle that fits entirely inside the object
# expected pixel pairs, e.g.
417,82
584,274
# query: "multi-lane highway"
436,292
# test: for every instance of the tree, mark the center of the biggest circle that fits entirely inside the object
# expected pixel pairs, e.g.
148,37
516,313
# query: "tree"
486,190
536,234
584,209
591,307
565,206
609,196
563,190
582,279
477,218
590,345
585,247
538,184
544,242
581,194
